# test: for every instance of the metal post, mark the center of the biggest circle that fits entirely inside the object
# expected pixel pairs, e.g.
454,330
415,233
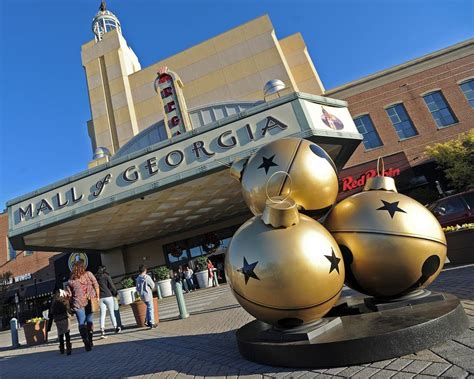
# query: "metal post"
178,291
158,290
14,332
214,278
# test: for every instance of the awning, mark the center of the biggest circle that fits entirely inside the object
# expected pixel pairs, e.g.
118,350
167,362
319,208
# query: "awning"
39,290
174,186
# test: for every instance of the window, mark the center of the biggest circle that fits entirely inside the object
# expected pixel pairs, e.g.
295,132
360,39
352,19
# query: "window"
401,122
11,250
450,206
469,197
366,128
27,253
440,110
468,89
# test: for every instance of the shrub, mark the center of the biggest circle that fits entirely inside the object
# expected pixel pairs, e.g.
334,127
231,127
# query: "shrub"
162,273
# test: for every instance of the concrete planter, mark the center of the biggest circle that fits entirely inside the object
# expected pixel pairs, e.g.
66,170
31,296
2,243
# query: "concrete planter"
139,311
460,246
35,333
203,279
127,295
165,287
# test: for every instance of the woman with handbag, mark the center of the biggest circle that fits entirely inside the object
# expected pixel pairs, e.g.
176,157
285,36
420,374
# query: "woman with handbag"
107,294
84,292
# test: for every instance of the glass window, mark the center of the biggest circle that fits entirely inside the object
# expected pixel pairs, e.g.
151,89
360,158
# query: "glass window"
195,251
468,90
401,122
27,253
11,250
450,206
366,128
440,110
469,197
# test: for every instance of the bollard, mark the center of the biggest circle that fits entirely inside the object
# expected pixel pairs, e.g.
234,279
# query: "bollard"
214,278
159,292
178,291
14,332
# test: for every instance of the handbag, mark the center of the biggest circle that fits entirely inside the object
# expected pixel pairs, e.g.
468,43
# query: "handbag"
92,302
93,305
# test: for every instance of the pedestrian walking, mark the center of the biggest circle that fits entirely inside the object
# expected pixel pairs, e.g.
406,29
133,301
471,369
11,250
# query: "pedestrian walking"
188,275
107,293
144,287
84,291
60,312
210,271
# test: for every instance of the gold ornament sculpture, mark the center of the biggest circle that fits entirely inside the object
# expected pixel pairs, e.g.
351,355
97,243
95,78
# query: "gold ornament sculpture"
392,245
313,174
284,267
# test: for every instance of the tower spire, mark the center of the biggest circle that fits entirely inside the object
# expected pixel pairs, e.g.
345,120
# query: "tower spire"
104,21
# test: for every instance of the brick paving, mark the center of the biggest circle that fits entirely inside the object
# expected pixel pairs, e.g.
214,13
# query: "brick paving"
204,345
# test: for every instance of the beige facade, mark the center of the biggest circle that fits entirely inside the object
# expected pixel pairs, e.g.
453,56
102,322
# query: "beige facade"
234,65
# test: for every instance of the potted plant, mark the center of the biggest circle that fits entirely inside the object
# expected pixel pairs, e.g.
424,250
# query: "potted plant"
460,240
164,281
139,310
127,293
35,331
202,274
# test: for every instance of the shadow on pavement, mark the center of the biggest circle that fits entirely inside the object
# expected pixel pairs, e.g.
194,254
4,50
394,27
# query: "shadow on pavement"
196,355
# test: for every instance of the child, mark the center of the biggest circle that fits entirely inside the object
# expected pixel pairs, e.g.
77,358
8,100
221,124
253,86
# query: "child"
60,311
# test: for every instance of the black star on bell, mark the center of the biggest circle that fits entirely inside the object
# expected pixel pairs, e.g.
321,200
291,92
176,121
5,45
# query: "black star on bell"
392,208
247,270
334,261
267,163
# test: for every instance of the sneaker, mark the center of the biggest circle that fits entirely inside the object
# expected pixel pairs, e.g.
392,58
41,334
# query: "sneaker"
118,329
152,326
102,334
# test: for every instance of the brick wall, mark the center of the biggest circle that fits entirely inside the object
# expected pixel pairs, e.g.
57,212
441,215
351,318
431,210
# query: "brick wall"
409,90
39,264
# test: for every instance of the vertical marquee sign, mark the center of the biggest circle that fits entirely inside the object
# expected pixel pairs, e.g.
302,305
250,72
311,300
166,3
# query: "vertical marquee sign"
169,86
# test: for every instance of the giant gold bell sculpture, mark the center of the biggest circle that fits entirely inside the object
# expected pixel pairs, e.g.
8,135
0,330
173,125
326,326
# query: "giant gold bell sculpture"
313,173
283,267
392,245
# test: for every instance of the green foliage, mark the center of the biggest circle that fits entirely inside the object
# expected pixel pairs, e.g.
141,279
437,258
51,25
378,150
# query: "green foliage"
127,283
456,158
201,263
162,273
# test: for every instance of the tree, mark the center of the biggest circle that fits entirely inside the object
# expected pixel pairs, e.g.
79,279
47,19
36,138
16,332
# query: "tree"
456,159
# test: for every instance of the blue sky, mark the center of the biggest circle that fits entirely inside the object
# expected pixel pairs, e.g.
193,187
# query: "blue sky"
43,98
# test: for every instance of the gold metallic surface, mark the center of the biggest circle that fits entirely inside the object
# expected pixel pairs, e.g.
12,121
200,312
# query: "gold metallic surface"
285,276
391,243
380,183
237,168
313,184
282,214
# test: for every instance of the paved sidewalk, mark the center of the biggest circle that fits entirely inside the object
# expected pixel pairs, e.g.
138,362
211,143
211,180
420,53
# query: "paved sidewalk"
204,345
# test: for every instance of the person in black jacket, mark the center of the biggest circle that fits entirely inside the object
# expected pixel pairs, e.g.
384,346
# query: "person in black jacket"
60,312
107,294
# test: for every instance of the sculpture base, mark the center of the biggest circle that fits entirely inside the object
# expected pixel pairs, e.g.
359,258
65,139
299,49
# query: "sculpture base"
361,336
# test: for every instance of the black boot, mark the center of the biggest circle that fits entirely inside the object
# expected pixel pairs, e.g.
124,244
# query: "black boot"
61,343
90,332
85,337
68,344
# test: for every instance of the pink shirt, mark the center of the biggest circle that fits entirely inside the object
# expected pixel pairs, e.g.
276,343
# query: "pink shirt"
81,290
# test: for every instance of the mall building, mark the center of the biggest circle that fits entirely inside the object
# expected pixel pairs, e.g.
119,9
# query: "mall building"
158,189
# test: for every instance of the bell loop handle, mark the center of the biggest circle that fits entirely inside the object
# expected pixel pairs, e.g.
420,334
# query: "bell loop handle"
380,167
280,200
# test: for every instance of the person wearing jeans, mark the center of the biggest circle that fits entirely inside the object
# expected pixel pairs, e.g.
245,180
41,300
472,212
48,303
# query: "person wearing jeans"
107,293
82,287
144,288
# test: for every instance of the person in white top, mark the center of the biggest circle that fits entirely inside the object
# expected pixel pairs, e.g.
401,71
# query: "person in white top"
188,275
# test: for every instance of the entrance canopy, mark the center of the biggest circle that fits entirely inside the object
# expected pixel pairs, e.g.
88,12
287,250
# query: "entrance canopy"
175,185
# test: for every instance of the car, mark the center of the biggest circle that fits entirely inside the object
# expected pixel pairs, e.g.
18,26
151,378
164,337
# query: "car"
454,209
